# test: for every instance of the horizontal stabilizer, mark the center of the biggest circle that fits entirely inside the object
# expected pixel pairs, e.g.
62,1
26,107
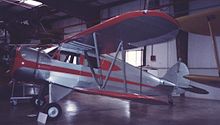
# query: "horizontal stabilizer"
196,90
128,96
204,79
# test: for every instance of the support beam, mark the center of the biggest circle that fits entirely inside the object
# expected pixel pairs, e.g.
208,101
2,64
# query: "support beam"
181,8
212,34
117,3
77,9
144,56
124,67
141,68
182,47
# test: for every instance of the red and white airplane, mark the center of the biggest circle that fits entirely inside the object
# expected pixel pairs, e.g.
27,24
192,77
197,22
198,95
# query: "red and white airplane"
82,63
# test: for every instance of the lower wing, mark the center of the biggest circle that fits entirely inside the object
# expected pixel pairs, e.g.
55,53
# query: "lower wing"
205,79
128,96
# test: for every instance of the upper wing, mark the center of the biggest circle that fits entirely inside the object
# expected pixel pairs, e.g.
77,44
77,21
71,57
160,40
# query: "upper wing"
205,79
135,29
197,22
128,96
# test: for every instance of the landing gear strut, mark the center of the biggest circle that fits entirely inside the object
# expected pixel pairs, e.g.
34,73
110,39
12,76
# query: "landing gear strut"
38,102
52,109
170,100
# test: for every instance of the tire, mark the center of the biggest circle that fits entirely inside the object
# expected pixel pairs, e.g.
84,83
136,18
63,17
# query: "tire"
14,102
53,110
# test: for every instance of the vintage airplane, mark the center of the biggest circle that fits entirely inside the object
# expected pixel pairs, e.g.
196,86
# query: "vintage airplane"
205,22
82,63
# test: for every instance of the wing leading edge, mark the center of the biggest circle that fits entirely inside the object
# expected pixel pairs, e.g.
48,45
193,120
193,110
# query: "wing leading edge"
200,21
135,29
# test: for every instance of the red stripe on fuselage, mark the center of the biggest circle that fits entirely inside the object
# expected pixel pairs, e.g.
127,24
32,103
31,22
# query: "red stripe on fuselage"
87,74
20,62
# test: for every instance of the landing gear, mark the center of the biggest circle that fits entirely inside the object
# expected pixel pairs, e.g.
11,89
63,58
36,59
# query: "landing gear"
53,110
38,102
170,100
14,102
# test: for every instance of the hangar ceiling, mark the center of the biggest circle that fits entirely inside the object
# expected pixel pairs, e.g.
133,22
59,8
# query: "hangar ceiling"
34,22
24,20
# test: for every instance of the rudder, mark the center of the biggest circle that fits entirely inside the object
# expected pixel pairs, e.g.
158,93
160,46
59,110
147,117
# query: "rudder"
175,75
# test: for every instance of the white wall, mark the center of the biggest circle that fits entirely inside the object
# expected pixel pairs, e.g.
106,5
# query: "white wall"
77,26
165,56
201,60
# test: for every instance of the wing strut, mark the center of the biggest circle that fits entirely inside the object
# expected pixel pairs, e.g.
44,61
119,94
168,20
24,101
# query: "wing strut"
124,66
91,68
97,58
112,64
209,19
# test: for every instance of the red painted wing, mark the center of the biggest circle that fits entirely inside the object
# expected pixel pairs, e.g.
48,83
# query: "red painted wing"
135,29
128,96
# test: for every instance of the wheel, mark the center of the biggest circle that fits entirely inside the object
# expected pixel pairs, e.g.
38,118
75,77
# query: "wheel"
171,103
53,110
14,102
37,102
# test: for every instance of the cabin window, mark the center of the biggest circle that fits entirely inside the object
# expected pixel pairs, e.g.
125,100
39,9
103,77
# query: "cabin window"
51,53
134,57
69,57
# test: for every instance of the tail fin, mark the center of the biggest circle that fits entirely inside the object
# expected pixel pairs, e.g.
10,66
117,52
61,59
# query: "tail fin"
175,75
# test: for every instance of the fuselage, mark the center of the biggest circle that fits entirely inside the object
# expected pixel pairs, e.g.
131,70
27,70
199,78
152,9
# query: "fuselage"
74,70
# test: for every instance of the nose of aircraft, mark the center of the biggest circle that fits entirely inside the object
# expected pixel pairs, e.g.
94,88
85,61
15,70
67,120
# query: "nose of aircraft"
21,67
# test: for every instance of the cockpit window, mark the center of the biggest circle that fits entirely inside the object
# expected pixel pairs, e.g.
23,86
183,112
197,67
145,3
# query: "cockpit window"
69,57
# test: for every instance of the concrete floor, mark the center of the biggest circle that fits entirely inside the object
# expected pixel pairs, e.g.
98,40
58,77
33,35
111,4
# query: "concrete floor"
82,109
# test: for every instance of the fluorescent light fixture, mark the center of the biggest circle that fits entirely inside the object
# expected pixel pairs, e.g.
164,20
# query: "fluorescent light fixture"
32,2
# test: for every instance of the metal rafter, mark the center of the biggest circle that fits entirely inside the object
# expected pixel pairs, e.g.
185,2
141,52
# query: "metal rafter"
117,3
75,8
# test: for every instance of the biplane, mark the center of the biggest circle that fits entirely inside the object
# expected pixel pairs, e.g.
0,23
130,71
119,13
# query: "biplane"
205,22
83,63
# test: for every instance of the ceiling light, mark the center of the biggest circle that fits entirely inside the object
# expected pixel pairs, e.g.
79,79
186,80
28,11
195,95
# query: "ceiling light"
32,2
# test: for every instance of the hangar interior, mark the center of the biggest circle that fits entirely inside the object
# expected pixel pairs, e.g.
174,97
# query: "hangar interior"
30,22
